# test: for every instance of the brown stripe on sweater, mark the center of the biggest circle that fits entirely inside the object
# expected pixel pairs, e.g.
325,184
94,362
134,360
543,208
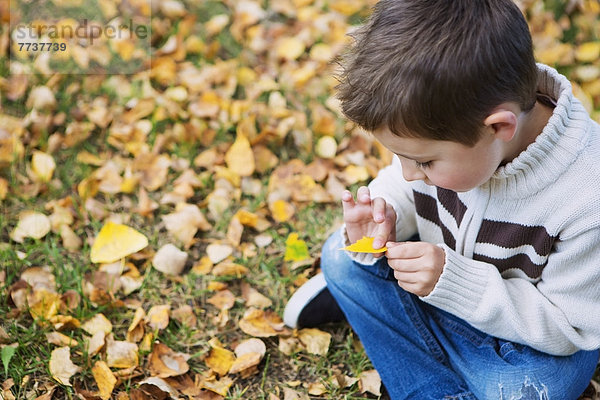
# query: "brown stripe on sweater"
450,201
510,235
520,261
427,208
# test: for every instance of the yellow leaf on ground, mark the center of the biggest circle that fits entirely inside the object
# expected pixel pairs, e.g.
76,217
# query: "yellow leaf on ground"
31,224
60,339
364,245
61,366
261,323
239,157
42,165
115,241
158,316
295,249
219,360
281,210
290,48
315,341
105,379
223,300
588,52
218,386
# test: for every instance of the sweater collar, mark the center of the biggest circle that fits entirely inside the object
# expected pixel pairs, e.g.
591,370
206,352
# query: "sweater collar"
555,149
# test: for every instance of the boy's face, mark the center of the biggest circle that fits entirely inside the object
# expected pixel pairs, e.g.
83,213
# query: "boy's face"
445,164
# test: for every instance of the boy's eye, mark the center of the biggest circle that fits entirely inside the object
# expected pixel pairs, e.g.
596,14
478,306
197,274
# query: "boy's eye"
423,164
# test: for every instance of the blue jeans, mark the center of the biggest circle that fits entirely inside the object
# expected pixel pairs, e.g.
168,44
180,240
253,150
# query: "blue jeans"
422,352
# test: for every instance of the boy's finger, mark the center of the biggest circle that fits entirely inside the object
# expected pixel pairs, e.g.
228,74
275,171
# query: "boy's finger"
403,250
347,198
383,233
378,207
362,195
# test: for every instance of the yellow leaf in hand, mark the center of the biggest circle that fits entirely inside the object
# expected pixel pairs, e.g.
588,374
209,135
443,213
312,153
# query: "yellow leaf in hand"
364,245
115,241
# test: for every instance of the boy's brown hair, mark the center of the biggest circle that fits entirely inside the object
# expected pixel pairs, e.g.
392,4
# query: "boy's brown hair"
436,68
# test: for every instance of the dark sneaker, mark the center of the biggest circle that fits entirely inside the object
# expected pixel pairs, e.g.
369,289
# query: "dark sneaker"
312,305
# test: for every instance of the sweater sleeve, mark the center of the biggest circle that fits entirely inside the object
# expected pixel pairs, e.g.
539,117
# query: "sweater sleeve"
390,185
559,315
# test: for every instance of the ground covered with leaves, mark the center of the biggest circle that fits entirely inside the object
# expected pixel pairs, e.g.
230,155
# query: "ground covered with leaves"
153,225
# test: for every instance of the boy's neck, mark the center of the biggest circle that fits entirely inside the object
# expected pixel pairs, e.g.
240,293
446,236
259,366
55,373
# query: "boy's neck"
531,125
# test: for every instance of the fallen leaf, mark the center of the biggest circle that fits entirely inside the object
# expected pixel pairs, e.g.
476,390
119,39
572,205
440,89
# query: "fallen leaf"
239,157
43,166
261,323
227,268
60,339
98,323
364,245
135,332
295,249
218,252
222,300
315,341
219,359
281,210
169,260
164,362
158,316
104,378
61,366
116,241
121,354
219,386
254,298
31,224
369,381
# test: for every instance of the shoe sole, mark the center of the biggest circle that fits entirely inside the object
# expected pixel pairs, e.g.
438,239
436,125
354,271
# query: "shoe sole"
304,295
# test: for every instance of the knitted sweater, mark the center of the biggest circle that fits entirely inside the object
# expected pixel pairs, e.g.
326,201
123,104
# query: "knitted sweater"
523,249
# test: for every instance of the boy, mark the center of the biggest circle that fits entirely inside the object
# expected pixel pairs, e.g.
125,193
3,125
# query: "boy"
496,170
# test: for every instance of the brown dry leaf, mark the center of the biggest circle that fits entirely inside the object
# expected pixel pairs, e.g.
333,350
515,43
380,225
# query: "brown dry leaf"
249,353
170,260
316,388
369,381
254,298
227,268
104,378
98,323
185,315
185,222
315,341
219,386
291,394
223,300
261,323
135,332
235,231
31,224
158,316
39,278
61,367
164,362
121,354
60,339
239,157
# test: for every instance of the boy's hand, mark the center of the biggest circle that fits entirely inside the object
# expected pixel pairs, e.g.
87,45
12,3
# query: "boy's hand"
417,265
369,217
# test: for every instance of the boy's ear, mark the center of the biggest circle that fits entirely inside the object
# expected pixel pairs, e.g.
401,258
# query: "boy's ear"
503,122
